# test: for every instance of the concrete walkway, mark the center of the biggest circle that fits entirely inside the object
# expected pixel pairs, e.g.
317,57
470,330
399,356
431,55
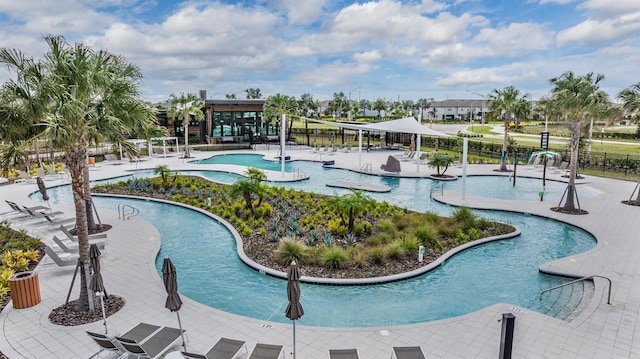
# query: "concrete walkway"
600,331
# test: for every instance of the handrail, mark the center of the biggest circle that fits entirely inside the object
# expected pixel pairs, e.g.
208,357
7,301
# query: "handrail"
124,216
579,280
431,190
366,167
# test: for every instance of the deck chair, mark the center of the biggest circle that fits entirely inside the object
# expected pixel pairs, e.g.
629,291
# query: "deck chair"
343,354
92,237
51,220
225,348
392,165
407,353
72,247
154,346
25,177
105,343
562,168
62,260
267,351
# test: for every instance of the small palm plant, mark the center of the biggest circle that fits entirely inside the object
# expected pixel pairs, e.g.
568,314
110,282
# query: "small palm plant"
439,161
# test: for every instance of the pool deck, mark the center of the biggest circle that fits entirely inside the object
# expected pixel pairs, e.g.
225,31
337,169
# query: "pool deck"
599,331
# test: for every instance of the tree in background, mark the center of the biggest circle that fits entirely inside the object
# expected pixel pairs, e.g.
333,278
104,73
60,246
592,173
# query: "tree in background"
380,105
253,93
503,103
277,105
577,98
186,107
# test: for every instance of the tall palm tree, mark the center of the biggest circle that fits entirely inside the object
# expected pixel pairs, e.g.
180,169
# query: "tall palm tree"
277,105
253,93
185,107
545,107
92,95
631,103
631,106
423,104
521,110
503,103
576,98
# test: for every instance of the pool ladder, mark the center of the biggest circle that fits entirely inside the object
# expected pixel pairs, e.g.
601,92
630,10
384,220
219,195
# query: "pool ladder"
432,190
123,214
580,280
366,168
298,174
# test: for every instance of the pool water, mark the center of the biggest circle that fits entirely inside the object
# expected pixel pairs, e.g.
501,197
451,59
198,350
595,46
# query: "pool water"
210,272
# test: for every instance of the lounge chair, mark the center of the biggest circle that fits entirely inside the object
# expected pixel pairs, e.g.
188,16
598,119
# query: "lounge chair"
51,220
139,333
225,348
343,354
407,353
62,260
154,346
105,343
392,165
267,351
92,237
72,247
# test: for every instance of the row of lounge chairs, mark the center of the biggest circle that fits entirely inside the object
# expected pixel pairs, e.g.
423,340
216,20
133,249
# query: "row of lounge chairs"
152,341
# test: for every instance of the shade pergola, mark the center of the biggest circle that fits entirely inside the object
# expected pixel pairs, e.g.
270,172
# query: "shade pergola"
164,143
402,125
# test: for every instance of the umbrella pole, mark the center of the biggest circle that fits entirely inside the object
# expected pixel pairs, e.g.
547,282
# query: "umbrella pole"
294,339
184,345
104,314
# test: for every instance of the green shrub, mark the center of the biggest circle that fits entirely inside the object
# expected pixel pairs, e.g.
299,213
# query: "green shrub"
289,250
425,233
377,255
334,257
395,249
335,227
464,217
473,234
461,237
359,258
19,260
410,244
374,241
387,226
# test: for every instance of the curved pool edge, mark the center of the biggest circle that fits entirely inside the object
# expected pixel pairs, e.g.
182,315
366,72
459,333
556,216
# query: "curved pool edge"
323,281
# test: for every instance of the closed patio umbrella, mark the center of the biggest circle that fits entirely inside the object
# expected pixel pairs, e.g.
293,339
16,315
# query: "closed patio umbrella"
43,191
294,310
174,303
97,284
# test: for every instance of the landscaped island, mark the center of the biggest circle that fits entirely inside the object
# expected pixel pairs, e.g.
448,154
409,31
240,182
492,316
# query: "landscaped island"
348,236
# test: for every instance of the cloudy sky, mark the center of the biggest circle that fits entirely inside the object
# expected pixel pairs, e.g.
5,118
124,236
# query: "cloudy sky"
378,49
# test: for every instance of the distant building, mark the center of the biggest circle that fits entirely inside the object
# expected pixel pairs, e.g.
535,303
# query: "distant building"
456,110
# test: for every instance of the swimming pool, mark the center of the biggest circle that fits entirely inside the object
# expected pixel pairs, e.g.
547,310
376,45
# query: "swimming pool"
499,272
499,187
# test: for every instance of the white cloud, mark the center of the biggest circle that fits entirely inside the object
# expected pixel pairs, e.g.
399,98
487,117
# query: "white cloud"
608,8
500,76
300,12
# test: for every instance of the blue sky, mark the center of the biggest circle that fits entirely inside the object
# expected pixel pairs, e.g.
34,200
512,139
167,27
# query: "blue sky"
378,49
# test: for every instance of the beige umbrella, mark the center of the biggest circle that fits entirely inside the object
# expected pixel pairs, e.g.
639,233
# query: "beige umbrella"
294,310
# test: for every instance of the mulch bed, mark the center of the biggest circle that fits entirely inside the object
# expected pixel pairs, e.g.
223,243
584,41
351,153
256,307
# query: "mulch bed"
69,315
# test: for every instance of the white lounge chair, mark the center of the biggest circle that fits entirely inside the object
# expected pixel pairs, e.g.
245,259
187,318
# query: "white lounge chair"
63,259
92,237
72,247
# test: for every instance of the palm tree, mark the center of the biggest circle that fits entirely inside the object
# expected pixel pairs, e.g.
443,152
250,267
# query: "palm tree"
352,205
631,103
277,105
249,186
379,105
92,95
186,107
503,102
521,110
545,107
440,160
423,104
253,93
631,106
576,98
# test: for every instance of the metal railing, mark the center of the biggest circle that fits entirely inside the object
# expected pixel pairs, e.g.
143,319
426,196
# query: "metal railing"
579,280
366,168
122,211
435,189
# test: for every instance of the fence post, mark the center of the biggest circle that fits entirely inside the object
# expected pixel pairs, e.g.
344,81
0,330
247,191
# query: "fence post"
604,162
626,167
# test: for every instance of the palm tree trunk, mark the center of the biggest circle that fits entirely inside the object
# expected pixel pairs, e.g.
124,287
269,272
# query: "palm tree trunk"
185,125
505,140
569,204
76,162
91,223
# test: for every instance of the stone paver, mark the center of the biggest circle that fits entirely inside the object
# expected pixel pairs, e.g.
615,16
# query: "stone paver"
600,331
